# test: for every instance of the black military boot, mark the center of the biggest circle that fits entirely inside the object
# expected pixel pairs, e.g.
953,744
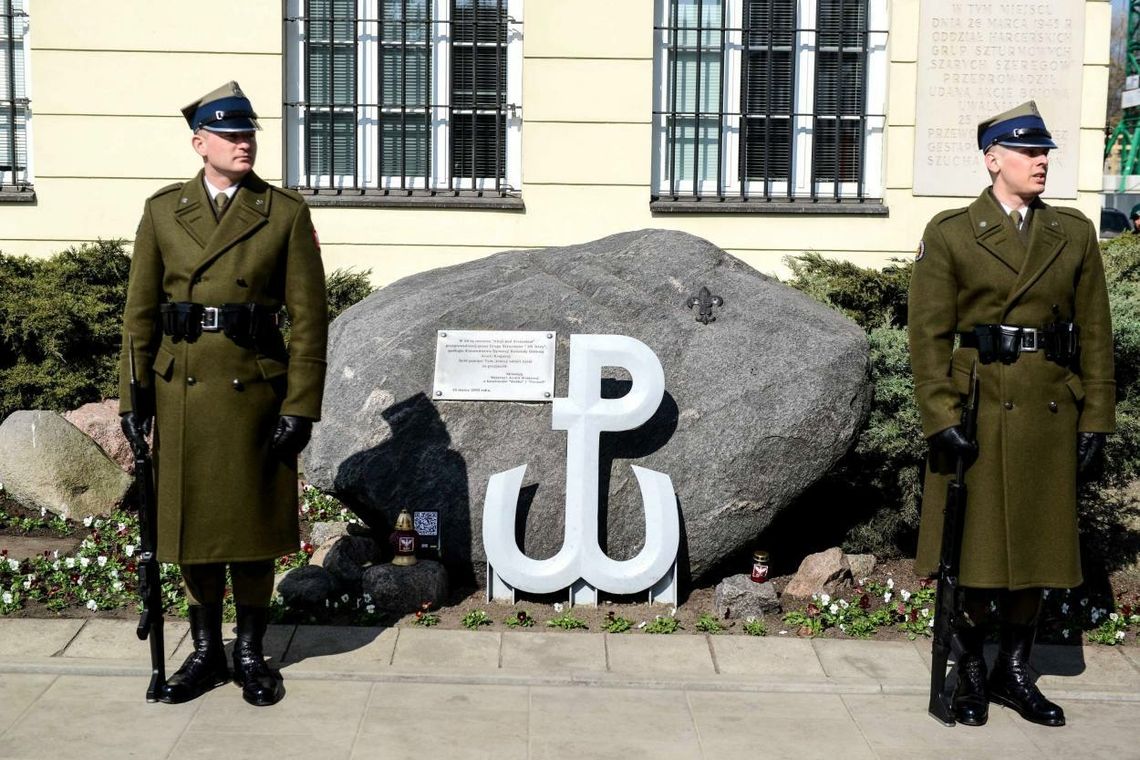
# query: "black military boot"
971,702
206,667
1011,685
260,686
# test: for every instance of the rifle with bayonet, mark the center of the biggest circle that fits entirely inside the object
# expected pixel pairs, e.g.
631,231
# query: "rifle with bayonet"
948,602
150,584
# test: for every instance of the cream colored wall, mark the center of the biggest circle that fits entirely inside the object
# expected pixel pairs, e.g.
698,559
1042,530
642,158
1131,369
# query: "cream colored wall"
107,133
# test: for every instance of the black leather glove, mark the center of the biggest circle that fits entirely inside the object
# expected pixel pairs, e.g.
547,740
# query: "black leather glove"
292,434
1088,446
136,428
952,441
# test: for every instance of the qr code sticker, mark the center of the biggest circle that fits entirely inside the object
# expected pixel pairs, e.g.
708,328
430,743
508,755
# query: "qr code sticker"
426,523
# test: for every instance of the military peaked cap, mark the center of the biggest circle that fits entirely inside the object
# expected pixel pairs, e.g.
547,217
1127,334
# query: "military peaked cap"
225,109
1020,127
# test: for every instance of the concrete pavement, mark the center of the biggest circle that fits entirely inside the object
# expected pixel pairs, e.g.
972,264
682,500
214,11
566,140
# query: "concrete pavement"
74,689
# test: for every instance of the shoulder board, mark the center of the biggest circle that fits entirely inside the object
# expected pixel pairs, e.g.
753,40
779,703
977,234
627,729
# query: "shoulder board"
1067,211
167,189
944,216
292,195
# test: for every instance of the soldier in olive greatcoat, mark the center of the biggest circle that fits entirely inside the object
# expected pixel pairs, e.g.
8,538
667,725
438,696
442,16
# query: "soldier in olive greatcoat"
215,259
1021,286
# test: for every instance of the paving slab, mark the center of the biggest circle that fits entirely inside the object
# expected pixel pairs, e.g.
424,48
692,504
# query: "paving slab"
31,637
1096,667
17,693
107,639
776,726
882,661
1132,654
287,746
1092,730
767,656
319,648
580,722
900,727
95,718
422,650
554,653
658,655
405,720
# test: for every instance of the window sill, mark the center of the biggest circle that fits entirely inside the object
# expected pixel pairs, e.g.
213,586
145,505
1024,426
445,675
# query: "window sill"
10,194
793,207
413,199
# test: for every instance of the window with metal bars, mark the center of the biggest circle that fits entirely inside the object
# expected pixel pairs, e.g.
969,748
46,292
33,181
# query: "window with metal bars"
769,100
14,170
404,98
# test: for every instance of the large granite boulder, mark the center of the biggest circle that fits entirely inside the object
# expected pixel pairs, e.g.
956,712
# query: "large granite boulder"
758,404
46,462
100,421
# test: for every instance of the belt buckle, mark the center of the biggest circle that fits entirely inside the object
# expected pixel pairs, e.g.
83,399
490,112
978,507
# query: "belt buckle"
210,319
1029,341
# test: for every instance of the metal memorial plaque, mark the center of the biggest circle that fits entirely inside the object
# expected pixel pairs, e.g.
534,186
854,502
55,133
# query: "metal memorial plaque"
494,365
977,59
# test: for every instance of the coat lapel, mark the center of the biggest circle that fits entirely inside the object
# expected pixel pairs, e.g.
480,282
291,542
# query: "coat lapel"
248,211
193,212
994,233
1046,240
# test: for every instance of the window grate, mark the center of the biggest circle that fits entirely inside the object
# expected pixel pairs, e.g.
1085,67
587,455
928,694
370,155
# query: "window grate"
409,98
766,100
13,98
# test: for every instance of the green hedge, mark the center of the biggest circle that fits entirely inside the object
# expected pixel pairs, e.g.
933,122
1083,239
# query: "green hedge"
879,482
61,321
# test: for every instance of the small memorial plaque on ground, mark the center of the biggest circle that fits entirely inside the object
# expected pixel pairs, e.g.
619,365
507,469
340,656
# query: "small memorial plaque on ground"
494,365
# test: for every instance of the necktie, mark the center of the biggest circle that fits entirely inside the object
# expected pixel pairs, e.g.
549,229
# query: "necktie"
1015,215
221,199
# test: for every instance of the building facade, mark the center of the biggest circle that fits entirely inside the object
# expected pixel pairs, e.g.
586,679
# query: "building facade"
426,133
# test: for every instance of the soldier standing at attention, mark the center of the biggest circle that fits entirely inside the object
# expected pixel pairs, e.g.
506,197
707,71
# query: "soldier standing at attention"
214,261
1021,286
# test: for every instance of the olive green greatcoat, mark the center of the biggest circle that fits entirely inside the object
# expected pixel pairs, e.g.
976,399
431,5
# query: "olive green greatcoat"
1020,528
223,495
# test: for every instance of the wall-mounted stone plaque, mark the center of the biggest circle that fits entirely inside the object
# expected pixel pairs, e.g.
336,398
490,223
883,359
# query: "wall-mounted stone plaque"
977,59
494,365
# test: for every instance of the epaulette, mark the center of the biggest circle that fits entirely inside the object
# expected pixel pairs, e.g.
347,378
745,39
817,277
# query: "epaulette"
292,195
167,189
943,216
1069,211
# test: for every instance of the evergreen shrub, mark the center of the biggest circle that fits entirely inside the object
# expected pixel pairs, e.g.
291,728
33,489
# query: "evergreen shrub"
879,481
61,324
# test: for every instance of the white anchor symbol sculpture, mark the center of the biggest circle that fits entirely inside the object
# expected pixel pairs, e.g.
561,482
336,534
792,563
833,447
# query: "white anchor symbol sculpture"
584,414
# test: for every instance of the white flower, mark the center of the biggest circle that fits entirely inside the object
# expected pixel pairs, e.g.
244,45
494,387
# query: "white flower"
558,606
88,520
844,604
91,605
905,595
1085,602
672,611
641,624
842,627
28,583
1113,616
367,598
824,598
117,586
890,582
114,573
55,565
1064,608
1065,632
84,561
43,511
13,565
102,560
931,623
926,612
834,609
98,523
750,619
129,550
1120,635
69,562
370,609
344,597
886,597
7,597
783,633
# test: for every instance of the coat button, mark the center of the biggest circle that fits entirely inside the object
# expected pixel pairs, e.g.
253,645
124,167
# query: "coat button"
190,381
238,386
1053,407
1008,404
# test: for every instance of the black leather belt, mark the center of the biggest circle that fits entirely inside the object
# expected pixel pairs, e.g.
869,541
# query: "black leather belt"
241,322
1059,340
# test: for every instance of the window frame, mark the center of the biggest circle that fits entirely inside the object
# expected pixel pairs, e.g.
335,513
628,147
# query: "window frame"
729,191
13,186
368,186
